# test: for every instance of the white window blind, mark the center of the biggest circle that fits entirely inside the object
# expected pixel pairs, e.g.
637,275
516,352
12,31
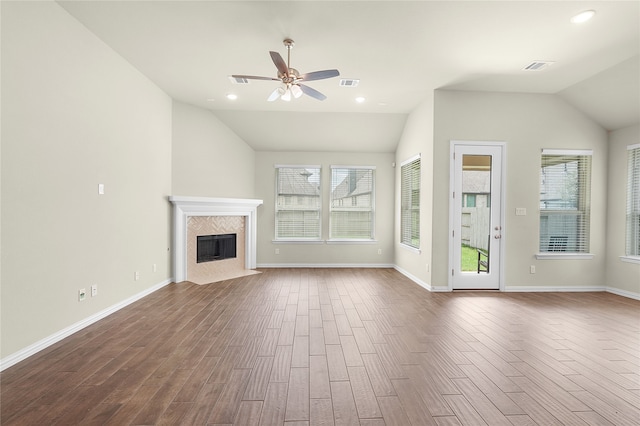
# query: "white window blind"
565,189
298,214
410,202
633,202
352,203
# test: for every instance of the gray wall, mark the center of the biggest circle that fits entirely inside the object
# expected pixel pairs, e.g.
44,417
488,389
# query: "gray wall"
621,276
325,254
209,160
417,138
527,123
75,114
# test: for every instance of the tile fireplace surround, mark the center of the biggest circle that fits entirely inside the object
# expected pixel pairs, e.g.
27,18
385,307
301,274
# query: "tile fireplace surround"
188,207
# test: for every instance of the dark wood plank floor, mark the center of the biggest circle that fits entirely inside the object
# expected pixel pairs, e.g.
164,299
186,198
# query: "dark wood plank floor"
339,347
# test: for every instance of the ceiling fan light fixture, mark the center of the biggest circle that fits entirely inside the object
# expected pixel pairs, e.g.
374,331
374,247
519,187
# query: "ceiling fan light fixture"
286,96
296,91
583,16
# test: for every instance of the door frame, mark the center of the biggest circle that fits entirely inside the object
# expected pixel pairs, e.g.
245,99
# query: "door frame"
502,207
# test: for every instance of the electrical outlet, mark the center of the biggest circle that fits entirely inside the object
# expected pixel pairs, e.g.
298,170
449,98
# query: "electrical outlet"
82,294
379,251
277,251
154,268
94,290
136,275
532,269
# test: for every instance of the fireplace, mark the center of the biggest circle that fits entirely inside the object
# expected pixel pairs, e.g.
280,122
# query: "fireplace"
199,216
215,247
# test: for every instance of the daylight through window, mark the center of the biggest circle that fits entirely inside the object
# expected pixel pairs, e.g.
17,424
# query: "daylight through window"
410,202
565,187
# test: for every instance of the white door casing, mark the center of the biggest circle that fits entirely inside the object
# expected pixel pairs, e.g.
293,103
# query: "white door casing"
480,226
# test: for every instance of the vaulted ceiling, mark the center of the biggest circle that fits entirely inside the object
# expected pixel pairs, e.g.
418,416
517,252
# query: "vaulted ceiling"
399,51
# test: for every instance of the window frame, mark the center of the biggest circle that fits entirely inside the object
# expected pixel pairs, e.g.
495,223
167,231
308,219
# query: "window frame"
278,209
345,206
408,196
581,210
632,210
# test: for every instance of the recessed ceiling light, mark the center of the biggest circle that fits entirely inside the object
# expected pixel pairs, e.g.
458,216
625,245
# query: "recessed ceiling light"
583,17
360,99
232,96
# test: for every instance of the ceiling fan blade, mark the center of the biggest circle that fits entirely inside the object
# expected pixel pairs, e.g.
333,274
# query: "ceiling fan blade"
254,77
312,92
319,75
280,63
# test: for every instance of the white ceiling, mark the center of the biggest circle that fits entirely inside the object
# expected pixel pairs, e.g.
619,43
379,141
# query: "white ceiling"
400,51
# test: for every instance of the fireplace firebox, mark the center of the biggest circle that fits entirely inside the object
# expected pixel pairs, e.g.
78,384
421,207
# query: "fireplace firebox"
216,247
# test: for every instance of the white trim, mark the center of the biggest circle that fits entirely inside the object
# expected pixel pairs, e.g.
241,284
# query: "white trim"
503,204
632,147
623,293
73,328
353,167
326,265
547,151
410,248
300,241
564,256
184,207
630,259
559,289
297,166
413,278
354,241
418,156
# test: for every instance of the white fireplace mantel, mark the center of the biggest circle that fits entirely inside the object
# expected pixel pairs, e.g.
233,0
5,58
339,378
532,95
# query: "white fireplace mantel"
184,207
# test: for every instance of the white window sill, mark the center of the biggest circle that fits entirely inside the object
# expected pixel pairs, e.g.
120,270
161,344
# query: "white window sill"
564,256
410,248
630,259
293,241
352,241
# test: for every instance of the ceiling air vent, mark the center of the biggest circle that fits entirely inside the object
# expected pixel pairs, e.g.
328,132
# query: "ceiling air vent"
238,80
538,65
349,82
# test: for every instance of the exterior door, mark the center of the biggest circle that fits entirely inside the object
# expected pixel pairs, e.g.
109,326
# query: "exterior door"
477,216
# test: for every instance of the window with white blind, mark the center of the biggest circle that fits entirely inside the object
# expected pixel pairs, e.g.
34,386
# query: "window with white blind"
298,214
352,203
565,192
410,202
633,201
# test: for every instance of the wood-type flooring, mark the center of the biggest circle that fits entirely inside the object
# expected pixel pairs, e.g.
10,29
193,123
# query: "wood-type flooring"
339,347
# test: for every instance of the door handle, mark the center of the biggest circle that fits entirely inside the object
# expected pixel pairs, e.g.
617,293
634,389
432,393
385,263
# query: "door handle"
497,237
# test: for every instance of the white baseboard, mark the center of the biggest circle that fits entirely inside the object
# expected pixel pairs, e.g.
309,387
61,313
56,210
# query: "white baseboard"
325,265
557,289
419,281
68,331
623,293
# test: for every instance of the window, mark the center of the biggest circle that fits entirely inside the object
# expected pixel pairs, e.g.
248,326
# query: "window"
410,202
352,201
298,214
565,188
633,201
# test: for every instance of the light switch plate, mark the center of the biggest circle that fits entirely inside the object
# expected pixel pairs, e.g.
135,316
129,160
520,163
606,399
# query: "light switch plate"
521,211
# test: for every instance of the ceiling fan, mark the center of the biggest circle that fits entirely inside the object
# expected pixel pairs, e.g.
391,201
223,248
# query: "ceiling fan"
291,79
